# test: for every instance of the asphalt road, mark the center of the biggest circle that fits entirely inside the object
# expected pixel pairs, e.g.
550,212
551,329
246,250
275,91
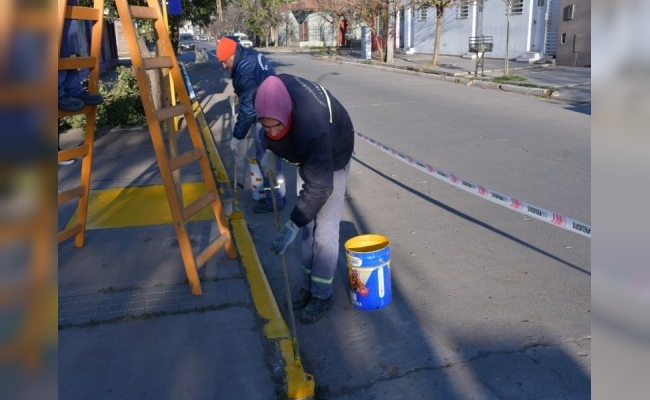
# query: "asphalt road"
487,303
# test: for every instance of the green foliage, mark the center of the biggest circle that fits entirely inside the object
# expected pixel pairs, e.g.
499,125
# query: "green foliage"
508,78
122,104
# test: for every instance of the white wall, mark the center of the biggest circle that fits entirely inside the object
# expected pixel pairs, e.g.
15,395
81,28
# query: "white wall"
495,23
314,21
455,33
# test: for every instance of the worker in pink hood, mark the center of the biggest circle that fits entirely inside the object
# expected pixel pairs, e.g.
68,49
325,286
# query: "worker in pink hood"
307,126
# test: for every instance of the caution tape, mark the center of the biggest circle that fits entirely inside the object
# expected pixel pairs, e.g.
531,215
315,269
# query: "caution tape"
501,199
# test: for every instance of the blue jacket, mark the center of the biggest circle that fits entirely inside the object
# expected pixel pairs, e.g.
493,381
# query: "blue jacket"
249,69
320,140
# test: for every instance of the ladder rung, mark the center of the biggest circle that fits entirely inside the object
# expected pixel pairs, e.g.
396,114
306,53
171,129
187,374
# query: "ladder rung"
77,62
68,233
170,112
144,12
209,251
184,159
75,152
198,205
157,62
84,13
70,194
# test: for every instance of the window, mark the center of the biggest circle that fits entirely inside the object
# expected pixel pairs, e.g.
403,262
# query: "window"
563,38
541,3
462,11
514,7
568,12
422,14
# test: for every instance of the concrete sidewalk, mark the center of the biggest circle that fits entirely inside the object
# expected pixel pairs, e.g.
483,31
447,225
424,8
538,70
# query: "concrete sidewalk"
129,327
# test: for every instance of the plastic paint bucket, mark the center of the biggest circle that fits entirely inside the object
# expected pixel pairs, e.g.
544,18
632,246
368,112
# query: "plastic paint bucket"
368,260
256,180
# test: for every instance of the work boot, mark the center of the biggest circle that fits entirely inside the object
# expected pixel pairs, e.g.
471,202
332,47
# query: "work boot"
315,309
89,99
301,300
71,104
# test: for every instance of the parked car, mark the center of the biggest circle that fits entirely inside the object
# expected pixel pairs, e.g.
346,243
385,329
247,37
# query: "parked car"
186,42
241,38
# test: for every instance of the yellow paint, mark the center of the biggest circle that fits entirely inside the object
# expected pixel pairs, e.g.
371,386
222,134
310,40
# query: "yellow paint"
300,385
137,206
265,303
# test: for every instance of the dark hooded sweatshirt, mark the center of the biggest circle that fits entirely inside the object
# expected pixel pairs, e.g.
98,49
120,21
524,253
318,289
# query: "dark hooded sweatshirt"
320,140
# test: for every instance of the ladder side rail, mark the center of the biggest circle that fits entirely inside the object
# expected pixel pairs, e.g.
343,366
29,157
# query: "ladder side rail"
127,14
94,15
198,144
91,120
197,141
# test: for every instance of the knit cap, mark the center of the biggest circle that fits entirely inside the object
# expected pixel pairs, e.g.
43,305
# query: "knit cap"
273,100
225,48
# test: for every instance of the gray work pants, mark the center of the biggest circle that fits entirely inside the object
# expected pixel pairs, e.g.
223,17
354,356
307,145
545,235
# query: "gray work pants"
320,240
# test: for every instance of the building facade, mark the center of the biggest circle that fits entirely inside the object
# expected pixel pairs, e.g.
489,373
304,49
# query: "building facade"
522,30
525,30
574,45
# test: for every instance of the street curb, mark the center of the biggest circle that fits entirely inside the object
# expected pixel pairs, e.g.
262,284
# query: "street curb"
444,76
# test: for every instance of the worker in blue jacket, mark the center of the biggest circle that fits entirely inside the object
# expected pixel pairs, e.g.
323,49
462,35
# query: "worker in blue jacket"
307,126
248,68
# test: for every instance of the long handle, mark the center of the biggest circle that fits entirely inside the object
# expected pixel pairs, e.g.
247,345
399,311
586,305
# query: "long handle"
287,286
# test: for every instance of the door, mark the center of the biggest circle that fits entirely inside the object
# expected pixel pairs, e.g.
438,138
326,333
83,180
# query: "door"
539,26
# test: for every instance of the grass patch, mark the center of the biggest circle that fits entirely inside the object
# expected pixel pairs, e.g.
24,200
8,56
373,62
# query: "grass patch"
509,79
521,81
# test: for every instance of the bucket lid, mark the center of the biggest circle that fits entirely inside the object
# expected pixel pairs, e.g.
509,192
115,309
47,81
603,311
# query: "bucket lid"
366,243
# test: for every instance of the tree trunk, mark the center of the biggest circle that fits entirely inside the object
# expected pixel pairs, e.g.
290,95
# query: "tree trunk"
436,42
380,47
390,32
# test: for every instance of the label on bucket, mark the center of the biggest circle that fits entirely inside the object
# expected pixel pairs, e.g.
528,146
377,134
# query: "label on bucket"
370,287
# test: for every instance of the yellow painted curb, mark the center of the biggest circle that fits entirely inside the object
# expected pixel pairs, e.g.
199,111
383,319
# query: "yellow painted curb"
300,385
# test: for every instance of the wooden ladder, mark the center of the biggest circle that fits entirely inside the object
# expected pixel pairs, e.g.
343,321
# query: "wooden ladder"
170,167
84,150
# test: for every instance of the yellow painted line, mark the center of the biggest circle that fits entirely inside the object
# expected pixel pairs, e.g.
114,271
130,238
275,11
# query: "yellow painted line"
137,206
213,154
300,385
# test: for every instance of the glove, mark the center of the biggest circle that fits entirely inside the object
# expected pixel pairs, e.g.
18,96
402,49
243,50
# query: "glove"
284,237
269,164
234,144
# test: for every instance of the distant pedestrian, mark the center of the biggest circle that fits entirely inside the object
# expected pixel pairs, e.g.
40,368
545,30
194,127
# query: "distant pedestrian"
306,125
248,68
